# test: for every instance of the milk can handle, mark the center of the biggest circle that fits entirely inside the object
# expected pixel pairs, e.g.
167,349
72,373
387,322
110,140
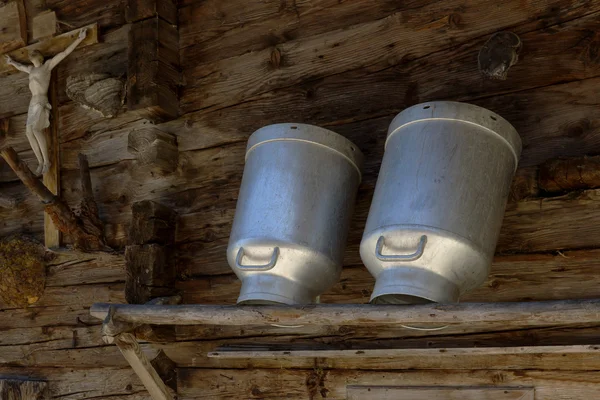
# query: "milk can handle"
400,257
264,267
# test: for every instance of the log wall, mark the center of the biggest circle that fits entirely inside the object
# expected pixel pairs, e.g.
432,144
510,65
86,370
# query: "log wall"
349,66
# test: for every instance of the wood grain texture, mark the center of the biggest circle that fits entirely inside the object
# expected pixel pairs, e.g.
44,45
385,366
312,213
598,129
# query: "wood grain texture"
561,276
303,384
427,393
230,81
20,389
117,383
44,25
520,314
153,73
52,236
77,13
129,347
226,353
136,10
13,27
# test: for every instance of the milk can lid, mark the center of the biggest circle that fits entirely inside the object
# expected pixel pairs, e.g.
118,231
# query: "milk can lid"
455,111
311,134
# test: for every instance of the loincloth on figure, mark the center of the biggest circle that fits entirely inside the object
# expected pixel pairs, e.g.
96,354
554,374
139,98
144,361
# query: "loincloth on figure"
38,115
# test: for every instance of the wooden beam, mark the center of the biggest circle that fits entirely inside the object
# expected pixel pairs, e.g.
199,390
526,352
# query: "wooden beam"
49,47
150,272
152,222
131,350
282,383
154,148
137,10
439,393
52,236
13,26
398,353
507,314
153,75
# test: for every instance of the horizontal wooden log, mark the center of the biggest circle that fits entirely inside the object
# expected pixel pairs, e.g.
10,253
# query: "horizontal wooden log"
229,30
507,314
424,393
537,277
299,384
106,13
227,82
115,383
566,174
225,352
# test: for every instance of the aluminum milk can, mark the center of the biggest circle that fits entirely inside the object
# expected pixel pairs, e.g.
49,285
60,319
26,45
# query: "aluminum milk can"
293,213
439,202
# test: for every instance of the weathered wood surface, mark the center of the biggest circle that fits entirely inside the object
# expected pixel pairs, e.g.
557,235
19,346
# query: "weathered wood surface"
260,53
21,389
136,10
44,25
572,274
132,352
520,314
153,75
75,13
225,352
70,384
154,148
313,382
13,27
230,81
52,236
431,393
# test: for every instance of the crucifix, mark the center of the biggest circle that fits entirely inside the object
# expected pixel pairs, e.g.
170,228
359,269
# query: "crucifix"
38,115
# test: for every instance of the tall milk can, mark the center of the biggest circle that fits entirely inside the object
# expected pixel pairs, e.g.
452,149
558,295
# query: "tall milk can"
293,213
439,202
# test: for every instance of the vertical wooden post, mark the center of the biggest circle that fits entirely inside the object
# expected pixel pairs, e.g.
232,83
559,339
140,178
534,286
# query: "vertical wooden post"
52,236
153,73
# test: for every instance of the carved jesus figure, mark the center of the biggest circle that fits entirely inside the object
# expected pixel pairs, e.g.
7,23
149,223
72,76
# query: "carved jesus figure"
38,115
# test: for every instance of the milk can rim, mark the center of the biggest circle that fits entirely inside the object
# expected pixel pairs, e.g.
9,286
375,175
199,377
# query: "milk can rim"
462,112
309,134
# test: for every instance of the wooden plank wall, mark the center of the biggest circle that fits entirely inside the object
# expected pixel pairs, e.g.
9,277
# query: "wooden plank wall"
349,66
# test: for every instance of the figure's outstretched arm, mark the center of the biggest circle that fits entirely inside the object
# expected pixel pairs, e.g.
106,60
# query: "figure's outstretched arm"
62,55
19,66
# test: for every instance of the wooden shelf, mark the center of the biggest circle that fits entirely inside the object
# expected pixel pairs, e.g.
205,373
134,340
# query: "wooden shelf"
121,319
513,315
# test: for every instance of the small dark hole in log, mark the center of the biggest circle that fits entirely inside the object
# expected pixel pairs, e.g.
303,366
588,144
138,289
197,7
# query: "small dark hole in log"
293,127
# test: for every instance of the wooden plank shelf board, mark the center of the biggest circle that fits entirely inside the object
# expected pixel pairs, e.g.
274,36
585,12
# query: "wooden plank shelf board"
398,353
508,315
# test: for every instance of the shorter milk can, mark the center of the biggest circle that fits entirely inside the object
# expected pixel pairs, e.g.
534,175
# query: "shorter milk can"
293,213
